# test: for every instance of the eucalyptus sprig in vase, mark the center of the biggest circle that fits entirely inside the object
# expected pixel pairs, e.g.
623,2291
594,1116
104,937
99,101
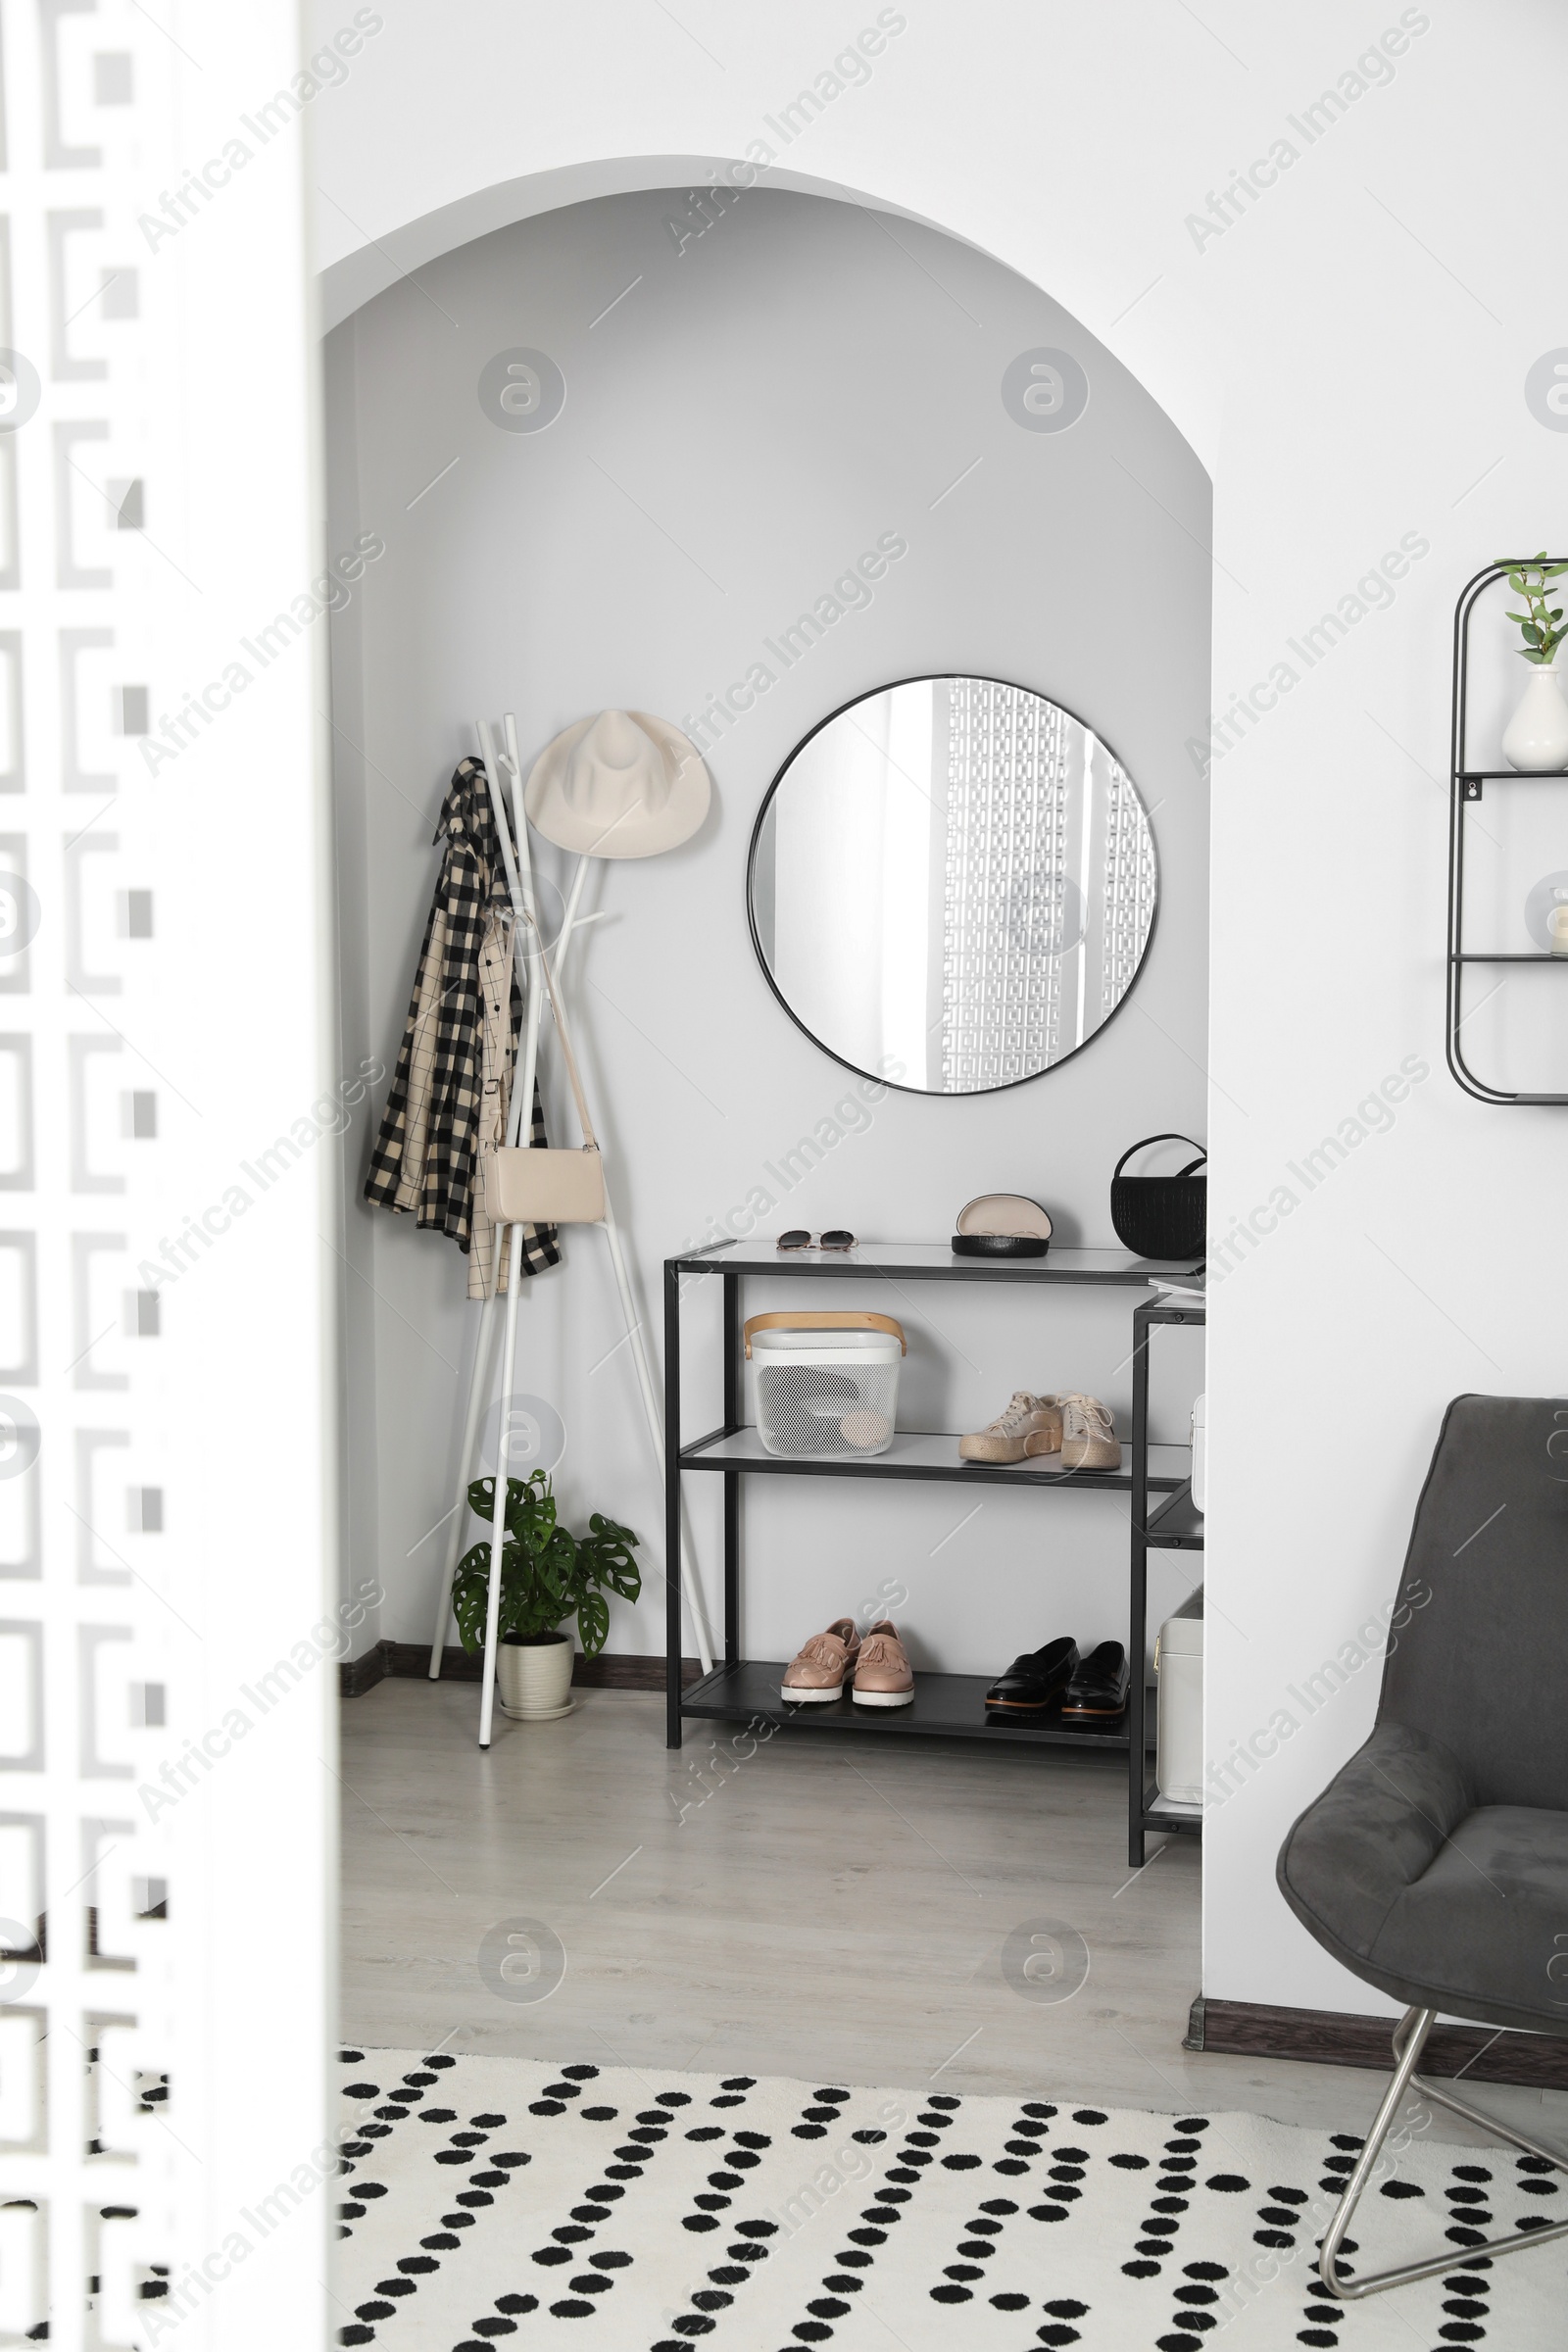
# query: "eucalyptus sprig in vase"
1535,740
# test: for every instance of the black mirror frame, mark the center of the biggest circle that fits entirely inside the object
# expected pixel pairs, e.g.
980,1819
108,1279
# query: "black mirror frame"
925,1094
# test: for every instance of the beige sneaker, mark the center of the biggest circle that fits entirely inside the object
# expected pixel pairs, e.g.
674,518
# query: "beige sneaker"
823,1665
1088,1436
1029,1424
883,1674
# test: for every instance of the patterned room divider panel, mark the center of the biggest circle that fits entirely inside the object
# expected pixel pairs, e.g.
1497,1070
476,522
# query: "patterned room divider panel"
129,1848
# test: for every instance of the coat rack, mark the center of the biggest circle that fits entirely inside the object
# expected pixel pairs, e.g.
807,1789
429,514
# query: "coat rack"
519,865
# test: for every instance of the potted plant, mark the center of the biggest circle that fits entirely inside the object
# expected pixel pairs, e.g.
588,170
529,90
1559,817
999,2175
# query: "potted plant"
547,1576
1537,736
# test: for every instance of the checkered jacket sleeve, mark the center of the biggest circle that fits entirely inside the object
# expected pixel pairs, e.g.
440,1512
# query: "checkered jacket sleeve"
425,1156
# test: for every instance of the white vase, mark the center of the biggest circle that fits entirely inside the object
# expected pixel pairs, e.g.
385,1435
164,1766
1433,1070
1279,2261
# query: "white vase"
1536,737
535,1677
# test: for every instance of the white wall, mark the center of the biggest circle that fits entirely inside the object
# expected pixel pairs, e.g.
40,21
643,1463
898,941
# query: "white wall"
1347,357
735,433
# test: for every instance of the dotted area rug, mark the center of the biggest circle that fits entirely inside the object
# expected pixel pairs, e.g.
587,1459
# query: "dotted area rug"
486,2198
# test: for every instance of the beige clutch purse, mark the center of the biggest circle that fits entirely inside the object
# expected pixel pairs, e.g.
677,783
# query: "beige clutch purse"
549,1186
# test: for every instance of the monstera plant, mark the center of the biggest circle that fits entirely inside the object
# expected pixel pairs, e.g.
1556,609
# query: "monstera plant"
548,1575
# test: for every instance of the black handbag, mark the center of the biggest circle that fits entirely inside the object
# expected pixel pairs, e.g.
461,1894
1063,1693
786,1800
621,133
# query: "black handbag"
1161,1216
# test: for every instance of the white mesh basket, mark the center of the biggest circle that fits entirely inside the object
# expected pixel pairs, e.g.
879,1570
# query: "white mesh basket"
825,1383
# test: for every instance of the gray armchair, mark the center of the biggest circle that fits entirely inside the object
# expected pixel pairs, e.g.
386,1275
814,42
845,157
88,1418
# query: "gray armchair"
1435,1864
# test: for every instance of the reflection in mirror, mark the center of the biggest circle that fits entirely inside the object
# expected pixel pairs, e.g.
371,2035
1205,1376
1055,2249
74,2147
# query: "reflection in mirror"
953,885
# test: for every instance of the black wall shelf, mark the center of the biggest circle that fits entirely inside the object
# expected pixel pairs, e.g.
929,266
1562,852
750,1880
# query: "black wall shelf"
946,1706
1467,788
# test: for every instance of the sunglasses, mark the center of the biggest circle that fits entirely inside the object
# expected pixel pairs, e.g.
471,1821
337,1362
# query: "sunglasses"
799,1239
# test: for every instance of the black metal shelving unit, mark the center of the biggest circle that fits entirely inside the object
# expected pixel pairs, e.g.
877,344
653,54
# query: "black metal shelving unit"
1467,786
948,1706
1174,1525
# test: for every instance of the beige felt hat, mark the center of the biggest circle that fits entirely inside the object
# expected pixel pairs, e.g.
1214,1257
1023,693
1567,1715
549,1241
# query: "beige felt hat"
622,785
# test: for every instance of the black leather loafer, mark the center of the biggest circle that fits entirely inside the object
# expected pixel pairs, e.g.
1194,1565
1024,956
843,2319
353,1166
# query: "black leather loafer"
1032,1682
1095,1697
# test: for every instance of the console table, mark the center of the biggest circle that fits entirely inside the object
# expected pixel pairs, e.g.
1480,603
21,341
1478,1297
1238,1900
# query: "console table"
946,1706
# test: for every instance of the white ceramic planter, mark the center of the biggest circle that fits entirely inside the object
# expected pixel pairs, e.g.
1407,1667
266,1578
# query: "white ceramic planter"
1537,738
534,1678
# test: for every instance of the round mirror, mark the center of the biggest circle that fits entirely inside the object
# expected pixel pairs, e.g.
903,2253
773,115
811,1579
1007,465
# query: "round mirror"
953,885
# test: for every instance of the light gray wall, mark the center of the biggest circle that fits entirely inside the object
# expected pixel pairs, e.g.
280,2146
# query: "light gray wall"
756,406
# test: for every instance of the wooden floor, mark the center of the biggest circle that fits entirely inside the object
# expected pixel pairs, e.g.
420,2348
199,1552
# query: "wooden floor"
823,1913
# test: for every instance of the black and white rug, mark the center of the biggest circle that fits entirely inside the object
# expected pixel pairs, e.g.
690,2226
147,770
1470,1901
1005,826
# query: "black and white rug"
486,2198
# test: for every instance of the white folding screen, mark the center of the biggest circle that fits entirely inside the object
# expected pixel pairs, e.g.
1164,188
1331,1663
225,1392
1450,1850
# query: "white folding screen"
1008,869
168,1234
1051,884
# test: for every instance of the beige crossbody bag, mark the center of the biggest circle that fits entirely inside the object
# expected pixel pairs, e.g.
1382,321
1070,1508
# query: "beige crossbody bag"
548,1187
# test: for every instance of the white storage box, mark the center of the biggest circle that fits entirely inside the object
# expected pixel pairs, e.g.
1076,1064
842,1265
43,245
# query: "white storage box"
1179,1732
825,1383
1200,1452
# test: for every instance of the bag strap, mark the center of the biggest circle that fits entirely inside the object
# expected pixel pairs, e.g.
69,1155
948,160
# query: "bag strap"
1202,1152
590,1141
507,933
827,1318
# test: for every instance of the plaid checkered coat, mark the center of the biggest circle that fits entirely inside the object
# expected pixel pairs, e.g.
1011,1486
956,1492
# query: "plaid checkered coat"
452,1080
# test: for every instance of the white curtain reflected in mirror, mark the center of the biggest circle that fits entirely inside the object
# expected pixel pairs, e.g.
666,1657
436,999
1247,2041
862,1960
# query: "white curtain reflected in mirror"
953,885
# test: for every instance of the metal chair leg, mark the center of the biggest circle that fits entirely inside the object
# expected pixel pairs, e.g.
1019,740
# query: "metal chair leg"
1409,2039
